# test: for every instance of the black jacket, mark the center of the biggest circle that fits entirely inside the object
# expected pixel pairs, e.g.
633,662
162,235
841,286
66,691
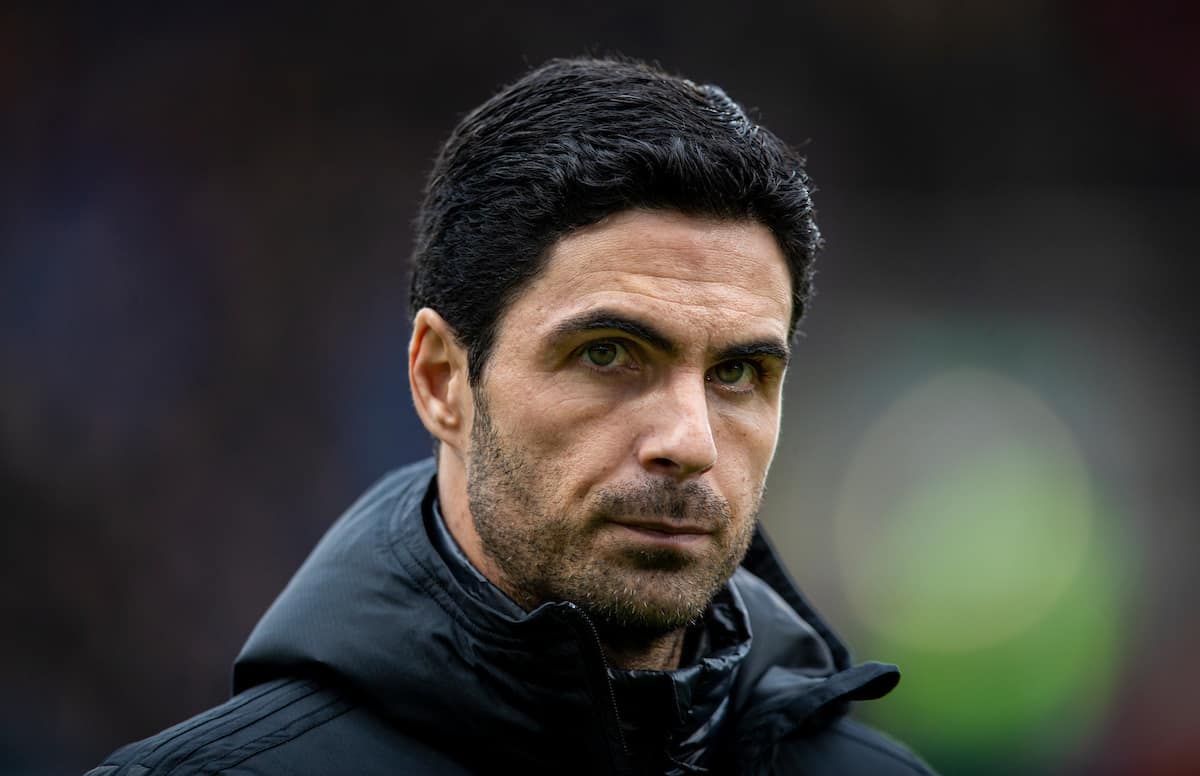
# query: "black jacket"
375,660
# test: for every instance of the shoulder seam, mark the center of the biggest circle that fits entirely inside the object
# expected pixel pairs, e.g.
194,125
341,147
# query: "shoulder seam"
298,727
199,721
273,714
211,737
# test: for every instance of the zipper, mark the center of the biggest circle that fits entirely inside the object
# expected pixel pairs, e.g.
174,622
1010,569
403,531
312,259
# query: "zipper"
612,695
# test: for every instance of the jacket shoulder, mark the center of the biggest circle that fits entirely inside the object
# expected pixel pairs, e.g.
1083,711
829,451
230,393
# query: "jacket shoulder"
845,746
220,739
294,726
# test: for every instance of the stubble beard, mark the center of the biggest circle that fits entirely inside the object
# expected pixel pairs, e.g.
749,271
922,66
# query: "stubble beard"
544,556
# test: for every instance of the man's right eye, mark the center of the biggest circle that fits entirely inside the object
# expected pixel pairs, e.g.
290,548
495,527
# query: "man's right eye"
605,354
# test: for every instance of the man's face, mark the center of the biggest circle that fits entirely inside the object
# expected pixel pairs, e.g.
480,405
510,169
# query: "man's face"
628,415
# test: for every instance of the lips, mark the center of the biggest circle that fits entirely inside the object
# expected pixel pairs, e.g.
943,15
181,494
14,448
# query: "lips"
657,533
668,528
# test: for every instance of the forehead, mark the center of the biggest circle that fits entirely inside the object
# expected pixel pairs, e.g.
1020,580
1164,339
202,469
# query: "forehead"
705,278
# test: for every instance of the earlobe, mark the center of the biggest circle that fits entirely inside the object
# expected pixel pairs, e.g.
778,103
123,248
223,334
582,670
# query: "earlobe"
437,376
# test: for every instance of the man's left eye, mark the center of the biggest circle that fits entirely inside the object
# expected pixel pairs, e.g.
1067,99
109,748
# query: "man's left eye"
734,374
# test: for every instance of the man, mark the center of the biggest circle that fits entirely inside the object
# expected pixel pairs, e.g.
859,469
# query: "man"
610,266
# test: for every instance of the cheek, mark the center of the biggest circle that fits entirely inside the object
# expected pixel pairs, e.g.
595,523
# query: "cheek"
746,444
575,436
750,431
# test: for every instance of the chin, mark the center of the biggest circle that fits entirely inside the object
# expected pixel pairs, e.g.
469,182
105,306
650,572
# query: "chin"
654,602
643,623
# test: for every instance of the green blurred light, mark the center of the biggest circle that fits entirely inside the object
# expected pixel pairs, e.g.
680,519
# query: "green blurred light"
1032,696
974,555
980,553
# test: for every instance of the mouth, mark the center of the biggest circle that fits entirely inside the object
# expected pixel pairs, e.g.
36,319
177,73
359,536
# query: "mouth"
674,534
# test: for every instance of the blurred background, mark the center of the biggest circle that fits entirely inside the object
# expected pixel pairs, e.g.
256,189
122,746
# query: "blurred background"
989,425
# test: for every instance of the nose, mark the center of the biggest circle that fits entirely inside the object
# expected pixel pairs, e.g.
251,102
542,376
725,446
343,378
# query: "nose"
679,442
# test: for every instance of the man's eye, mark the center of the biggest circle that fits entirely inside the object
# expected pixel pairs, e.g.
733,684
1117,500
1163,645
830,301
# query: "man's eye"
604,354
738,375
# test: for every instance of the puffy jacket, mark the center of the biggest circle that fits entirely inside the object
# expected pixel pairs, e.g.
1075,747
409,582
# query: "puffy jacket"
374,660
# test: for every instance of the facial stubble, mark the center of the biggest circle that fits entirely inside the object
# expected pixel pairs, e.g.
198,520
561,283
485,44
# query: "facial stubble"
545,555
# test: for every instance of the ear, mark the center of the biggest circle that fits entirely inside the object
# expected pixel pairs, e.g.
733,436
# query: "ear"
437,375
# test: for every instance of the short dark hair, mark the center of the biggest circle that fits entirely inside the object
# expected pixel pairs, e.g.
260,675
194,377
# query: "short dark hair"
576,140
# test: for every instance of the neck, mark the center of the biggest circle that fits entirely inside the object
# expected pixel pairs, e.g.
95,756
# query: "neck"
659,652
452,498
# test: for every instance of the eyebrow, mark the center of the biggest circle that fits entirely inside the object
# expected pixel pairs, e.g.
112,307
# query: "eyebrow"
605,319
758,349
599,320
